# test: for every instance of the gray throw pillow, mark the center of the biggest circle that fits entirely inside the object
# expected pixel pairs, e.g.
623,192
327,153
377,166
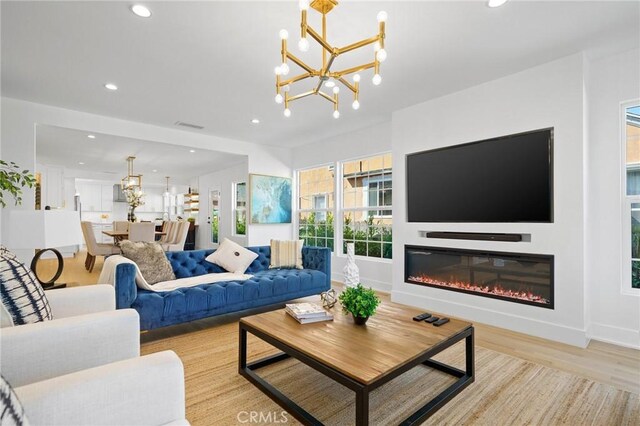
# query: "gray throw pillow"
150,258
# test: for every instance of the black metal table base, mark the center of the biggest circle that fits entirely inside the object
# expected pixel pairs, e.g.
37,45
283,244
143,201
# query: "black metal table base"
465,378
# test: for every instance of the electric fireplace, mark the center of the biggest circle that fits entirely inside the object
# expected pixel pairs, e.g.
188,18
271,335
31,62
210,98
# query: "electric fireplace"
515,277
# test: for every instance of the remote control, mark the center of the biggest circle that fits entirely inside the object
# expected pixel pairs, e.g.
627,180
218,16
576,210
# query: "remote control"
431,319
421,316
441,321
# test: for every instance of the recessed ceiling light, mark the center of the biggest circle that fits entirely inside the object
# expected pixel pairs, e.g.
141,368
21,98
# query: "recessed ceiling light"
192,151
255,121
91,136
141,11
80,162
111,86
496,3
154,171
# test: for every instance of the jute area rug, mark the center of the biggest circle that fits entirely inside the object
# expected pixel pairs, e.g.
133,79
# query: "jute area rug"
507,390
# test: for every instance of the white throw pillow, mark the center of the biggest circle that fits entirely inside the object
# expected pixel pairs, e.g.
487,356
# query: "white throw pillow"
232,257
286,254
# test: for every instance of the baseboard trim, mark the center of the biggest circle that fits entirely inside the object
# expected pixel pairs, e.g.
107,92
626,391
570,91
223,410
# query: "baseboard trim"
626,337
559,333
367,282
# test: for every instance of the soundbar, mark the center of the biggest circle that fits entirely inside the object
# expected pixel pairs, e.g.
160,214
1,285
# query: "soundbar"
475,236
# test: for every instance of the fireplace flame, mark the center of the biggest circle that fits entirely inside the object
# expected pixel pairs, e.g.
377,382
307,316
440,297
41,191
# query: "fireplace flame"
494,289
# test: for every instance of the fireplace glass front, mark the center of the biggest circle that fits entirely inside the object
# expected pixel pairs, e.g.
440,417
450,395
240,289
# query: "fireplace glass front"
516,277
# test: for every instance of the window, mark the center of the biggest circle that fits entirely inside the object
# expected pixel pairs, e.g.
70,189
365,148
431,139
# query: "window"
632,193
240,209
316,189
214,214
366,206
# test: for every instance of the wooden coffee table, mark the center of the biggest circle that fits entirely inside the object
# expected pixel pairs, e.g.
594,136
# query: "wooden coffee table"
362,358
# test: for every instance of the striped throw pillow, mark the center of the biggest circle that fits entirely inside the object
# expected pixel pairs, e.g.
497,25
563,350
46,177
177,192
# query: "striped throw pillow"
21,293
286,254
11,411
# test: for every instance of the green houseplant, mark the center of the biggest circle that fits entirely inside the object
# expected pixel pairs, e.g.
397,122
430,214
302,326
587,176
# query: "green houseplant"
12,180
360,302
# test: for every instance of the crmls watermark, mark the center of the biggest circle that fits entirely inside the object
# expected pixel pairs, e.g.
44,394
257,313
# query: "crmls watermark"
269,417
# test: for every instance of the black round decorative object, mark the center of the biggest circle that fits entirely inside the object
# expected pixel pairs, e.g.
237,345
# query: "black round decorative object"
360,320
52,281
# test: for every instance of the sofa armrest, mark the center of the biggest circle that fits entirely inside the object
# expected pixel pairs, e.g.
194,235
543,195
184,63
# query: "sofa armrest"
146,390
35,352
318,258
73,301
125,285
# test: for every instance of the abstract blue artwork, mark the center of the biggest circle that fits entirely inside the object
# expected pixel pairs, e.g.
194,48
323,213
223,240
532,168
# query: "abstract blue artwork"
270,199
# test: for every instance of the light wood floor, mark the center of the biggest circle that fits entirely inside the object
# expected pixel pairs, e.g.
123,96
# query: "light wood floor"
601,362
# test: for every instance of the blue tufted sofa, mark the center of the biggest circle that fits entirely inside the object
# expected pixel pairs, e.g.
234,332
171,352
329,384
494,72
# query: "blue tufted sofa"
266,287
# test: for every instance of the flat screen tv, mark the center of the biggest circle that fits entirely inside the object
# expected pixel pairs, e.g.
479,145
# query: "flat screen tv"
504,179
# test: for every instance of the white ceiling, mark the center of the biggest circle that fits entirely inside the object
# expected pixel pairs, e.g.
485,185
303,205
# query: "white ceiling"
211,63
107,154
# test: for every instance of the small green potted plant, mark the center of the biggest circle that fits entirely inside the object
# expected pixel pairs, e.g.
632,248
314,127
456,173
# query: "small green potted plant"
360,302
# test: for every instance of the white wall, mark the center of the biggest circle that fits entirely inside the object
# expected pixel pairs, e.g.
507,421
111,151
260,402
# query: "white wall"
19,119
369,141
614,316
223,181
550,95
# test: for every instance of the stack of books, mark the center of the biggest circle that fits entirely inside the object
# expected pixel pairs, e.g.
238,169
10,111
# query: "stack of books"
306,313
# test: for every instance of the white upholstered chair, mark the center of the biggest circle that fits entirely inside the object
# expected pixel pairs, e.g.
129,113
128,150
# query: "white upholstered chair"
94,248
121,225
143,231
84,366
179,237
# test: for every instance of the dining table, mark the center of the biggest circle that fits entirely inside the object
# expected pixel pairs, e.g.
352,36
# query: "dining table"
123,235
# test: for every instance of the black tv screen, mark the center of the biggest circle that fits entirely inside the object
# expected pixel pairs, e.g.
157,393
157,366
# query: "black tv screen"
505,179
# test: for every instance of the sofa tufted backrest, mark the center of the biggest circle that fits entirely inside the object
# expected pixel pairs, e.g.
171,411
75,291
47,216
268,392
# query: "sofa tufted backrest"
191,263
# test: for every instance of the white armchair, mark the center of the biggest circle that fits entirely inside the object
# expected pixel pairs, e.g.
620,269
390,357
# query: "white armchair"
84,367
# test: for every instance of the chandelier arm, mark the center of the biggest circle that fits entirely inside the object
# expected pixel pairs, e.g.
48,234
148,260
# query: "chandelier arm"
346,83
347,71
302,95
327,97
299,62
296,78
319,39
359,44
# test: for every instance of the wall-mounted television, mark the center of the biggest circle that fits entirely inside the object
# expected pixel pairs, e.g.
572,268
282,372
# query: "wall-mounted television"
504,179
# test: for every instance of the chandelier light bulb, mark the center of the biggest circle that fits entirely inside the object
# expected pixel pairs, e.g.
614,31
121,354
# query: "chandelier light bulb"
355,104
376,80
287,112
284,34
381,56
356,78
336,90
279,98
277,70
376,46
329,83
286,87
303,4
496,3
284,69
303,44
382,16
336,114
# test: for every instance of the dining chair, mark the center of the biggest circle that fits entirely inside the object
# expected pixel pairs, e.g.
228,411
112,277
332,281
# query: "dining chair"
167,225
121,225
143,231
179,237
94,248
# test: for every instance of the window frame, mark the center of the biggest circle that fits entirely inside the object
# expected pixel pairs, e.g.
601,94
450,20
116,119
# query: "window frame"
236,209
627,202
331,210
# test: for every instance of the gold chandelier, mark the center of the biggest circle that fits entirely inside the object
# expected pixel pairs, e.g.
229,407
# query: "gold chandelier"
329,54
131,181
